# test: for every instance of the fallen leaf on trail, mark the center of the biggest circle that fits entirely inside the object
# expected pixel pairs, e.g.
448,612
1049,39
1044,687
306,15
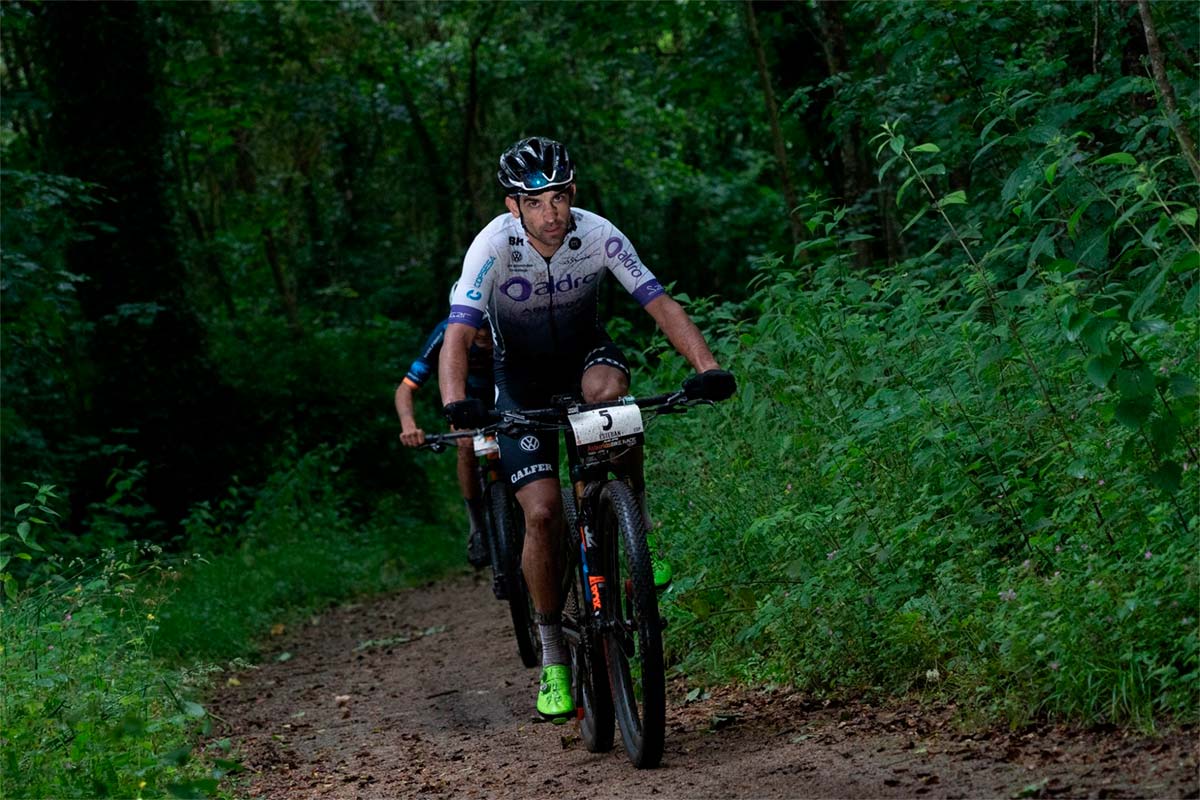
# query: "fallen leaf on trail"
341,699
277,629
233,682
284,657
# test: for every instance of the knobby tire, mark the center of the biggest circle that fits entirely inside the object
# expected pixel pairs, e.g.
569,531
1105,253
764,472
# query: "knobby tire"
508,530
589,675
634,639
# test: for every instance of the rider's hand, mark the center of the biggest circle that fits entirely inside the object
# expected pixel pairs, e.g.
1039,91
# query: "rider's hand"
413,437
466,414
713,384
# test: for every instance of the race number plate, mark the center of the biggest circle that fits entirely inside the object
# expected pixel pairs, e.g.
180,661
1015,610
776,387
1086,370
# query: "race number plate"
606,428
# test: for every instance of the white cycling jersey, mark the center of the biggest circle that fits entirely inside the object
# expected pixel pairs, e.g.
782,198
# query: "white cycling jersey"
541,307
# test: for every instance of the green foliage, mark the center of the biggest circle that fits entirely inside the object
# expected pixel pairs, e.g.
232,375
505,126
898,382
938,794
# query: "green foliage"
87,711
294,548
973,474
107,659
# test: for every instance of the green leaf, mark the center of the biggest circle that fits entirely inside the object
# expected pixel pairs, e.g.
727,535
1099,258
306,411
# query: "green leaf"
23,530
1188,262
1167,477
177,757
1117,158
1135,382
1164,432
1151,326
1075,323
1095,334
928,147
916,217
1100,368
1133,412
1182,385
1187,217
1051,172
194,710
958,198
21,508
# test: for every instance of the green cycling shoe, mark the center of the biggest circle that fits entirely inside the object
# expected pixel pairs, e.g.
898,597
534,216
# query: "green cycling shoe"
662,570
554,701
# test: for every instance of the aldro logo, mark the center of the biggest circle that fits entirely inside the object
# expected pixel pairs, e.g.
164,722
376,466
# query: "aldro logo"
615,248
520,289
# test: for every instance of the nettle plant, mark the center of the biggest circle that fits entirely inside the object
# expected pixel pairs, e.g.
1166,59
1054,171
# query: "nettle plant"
87,711
1092,288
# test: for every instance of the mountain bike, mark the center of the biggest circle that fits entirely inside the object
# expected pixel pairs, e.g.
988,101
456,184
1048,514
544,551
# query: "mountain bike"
610,615
504,536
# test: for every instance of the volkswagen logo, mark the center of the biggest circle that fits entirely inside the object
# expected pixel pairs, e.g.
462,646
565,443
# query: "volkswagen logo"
530,443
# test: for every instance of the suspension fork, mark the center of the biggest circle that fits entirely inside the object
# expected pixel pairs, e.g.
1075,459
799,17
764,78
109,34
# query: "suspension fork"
589,542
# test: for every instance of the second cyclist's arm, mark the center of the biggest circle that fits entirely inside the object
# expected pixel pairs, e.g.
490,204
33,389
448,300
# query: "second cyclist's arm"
682,332
452,365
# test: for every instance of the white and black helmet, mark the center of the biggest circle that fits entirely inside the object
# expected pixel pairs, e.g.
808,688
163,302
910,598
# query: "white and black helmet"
535,165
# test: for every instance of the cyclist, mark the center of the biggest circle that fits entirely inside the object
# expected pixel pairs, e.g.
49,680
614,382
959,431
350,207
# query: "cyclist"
535,272
479,384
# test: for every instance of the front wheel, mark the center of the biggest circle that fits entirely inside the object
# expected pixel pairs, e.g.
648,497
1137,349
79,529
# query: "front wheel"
508,539
633,642
589,677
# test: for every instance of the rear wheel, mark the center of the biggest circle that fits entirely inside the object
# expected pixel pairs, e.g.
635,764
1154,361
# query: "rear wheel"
633,642
508,537
588,673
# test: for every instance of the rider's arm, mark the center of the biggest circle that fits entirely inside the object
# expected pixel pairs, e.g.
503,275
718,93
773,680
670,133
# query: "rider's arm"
682,332
410,433
452,366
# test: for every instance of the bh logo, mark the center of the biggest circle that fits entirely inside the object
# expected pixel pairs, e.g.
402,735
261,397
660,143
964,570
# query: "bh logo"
530,443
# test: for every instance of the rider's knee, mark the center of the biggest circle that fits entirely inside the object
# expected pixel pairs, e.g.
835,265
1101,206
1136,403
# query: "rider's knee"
602,383
542,509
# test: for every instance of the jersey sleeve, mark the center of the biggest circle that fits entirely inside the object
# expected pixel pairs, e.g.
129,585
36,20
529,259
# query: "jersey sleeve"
423,367
622,261
470,300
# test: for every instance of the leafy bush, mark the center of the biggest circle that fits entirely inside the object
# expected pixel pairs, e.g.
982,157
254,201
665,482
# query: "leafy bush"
107,659
973,473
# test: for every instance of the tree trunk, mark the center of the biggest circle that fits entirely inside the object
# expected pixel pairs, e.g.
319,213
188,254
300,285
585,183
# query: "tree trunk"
471,121
781,159
833,44
1165,91
152,389
287,292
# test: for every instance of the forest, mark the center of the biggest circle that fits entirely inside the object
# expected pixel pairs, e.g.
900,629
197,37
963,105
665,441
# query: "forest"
948,248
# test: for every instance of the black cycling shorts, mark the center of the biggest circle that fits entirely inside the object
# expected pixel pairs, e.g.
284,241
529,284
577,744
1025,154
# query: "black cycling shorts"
533,456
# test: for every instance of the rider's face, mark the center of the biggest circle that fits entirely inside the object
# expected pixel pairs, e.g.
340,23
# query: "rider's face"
546,216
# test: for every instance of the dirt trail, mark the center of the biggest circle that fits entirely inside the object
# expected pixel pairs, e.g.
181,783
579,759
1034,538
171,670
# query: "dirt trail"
421,694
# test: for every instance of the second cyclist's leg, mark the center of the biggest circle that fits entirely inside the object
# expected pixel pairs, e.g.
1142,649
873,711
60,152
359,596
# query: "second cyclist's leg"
541,564
602,383
468,484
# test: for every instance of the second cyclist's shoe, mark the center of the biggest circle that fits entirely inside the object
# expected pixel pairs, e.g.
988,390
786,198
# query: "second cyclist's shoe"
554,701
477,553
662,570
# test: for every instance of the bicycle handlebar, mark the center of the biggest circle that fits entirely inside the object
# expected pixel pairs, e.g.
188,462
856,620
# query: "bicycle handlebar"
556,416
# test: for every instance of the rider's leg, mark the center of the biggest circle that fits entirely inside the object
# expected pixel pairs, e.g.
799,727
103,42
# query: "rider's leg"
468,484
541,560
541,563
